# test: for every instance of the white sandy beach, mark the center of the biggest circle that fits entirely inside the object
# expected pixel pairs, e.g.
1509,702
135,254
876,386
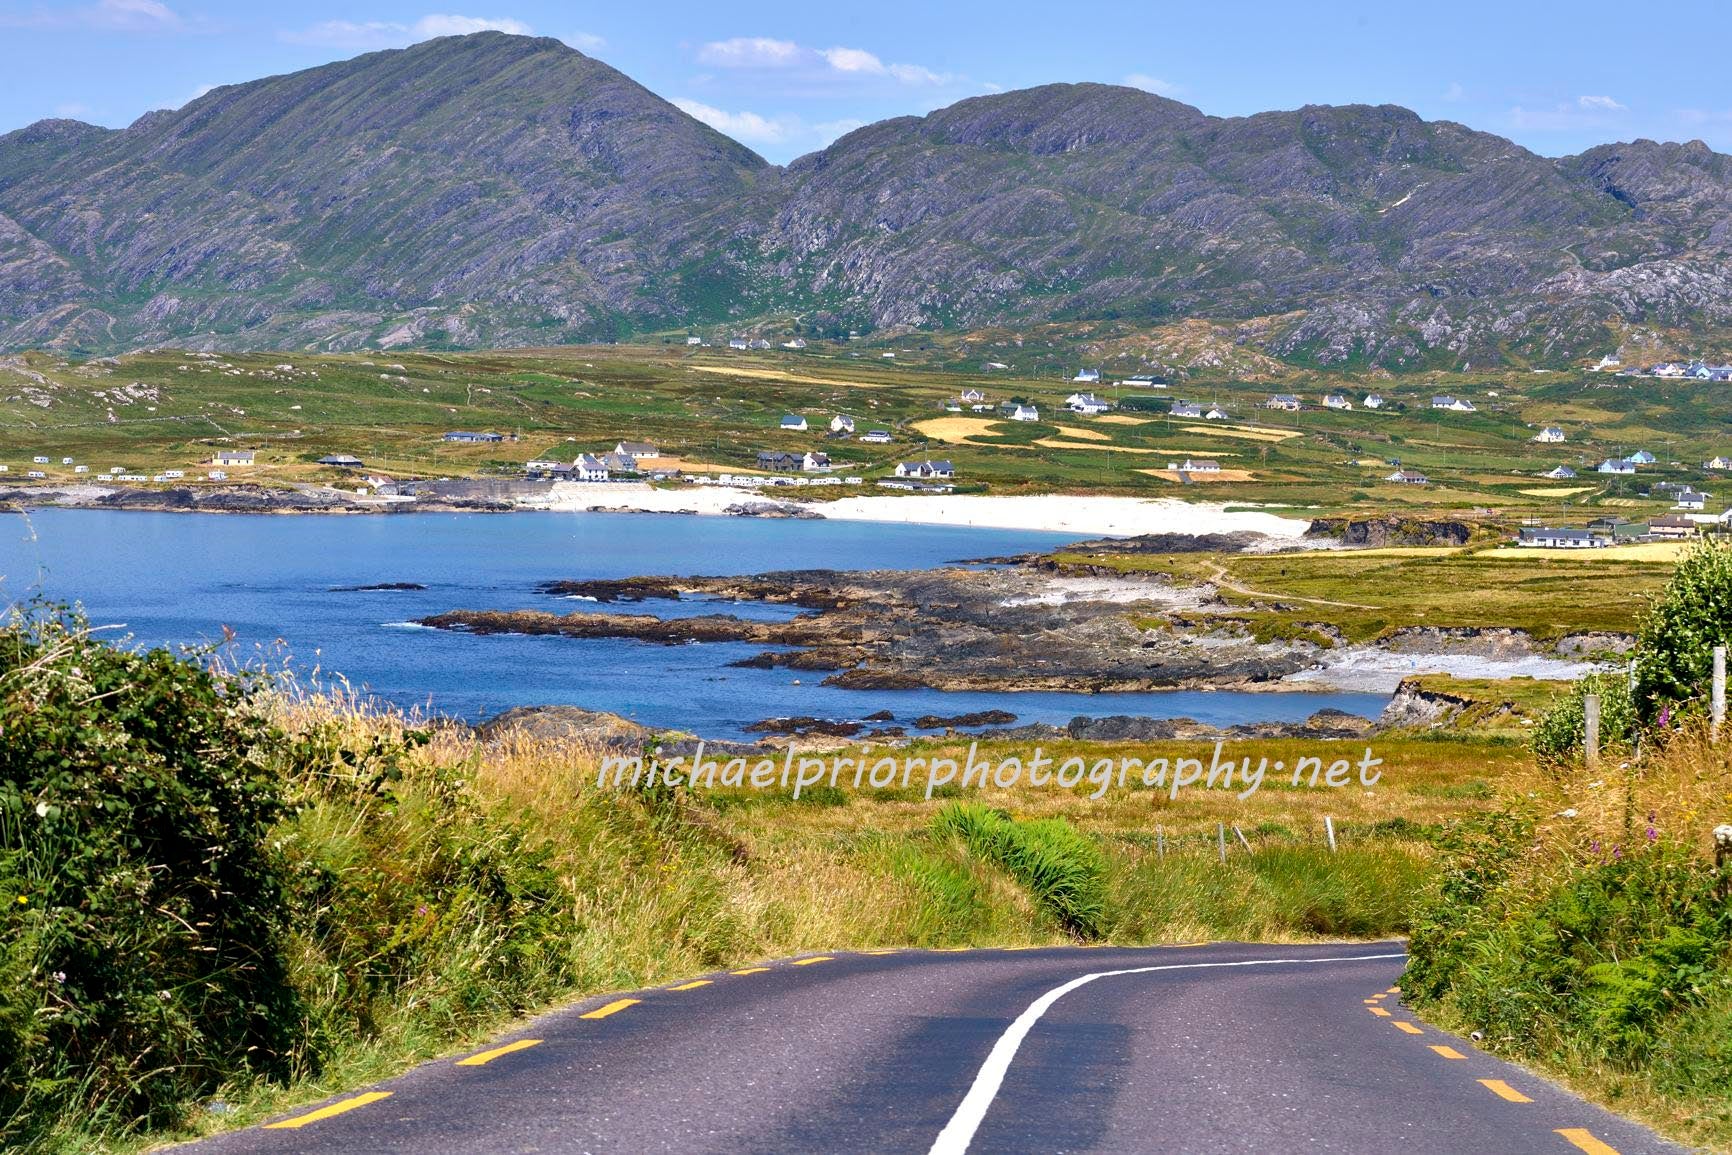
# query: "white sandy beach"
1101,515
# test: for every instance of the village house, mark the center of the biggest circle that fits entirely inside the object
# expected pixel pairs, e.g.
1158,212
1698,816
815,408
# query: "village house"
760,343
1672,527
815,463
695,341
796,343
1215,413
1196,465
1456,404
228,457
642,450
1187,409
1025,413
1718,463
1086,403
1641,457
1550,435
1561,473
619,463
1690,499
1283,401
1666,369
794,423
1616,465
588,467
1610,362
1408,477
1087,376
841,424
925,469
463,435
739,343
875,437
545,469
774,462
972,396
1336,401
1373,401
1550,538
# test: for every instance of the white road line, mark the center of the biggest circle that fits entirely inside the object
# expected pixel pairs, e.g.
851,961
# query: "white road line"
959,1132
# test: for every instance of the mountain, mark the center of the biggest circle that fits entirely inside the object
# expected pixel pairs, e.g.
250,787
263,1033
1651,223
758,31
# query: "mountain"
498,190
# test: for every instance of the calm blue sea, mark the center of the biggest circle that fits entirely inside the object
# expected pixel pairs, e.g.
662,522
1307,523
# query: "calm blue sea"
170,579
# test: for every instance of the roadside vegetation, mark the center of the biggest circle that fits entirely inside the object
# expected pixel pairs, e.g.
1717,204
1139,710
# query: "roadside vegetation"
221,895
1585,925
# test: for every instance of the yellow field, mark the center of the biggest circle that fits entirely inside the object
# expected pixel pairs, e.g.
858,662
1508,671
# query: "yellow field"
1082,434
791,378
957,430
1120,419
1641,551
1054,443
1563,491
1248,434
1218,475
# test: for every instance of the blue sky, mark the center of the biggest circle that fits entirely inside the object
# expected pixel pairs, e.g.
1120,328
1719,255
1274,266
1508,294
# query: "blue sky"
786,78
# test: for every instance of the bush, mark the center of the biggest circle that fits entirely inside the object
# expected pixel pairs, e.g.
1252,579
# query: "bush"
1687,619
1559,734
1063,869
140,906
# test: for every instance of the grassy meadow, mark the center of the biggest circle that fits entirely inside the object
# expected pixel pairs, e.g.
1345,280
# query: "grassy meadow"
158,410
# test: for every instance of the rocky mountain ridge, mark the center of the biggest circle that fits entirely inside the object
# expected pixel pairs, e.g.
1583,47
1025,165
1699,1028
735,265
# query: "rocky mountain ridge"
494,190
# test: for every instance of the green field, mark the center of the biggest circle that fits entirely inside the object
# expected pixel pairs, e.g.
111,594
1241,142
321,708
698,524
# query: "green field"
169,410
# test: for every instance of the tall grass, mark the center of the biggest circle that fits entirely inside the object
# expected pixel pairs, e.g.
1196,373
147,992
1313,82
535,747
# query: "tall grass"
1063,870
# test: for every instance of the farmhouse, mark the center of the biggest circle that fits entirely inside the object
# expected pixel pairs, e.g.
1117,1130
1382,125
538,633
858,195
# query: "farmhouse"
925,469
1691,499
796,343
1548,538
972,397
1088,376
1550,435
637,449
739,343
1408,477
588,467
1373,401
1336,401
1025,413
841,424
876,437
1718,463
1456,404
1561,473
619,463
794,423
1215,413
1086,403
1145,381
226,457
1187,409
815,463
1283,401
1671,527
1641,457
1198,465
1616,465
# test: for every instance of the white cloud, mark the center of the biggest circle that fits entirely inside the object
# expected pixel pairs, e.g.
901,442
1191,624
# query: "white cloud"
1599,104
394,34
1152,84
103,16
767,53
750,52
1584,112
745,127
1455,92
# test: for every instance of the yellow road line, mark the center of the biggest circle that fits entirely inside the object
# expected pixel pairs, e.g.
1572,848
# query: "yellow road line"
691,986
1393,991
1585,1140
1374,1001
1504,1091
1449,1052
337,1108
612,1008
1409,1028
806,962
486,1057
750,971
1022,948
877,952
1379,1012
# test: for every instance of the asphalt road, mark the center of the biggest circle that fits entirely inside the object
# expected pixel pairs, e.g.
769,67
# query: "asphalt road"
1217,1048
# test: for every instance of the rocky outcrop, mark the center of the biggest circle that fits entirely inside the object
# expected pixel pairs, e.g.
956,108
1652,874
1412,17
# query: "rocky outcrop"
1387,531
1414,707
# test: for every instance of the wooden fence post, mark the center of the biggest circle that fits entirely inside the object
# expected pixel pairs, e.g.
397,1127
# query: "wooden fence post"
1719,696
1160,841
1591,730
1329,829
1243,841
1221,834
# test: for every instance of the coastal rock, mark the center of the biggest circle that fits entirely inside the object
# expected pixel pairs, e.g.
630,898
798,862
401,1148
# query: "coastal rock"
977,718
566,725
1413,707
1391,531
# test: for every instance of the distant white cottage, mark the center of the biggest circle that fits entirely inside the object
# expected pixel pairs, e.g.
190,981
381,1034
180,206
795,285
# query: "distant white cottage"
1456,404
841,423
1087,376
1373,401
1550,435
794,423
1025,413
1336,401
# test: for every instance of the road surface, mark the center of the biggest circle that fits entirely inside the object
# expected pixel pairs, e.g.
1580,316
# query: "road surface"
1213,1048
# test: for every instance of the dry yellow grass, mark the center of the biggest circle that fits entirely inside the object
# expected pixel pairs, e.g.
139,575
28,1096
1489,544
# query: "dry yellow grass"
791,378
959,430
1121,419
1558,491
1247,434
1054,443
1641,551
1217,475
1082,434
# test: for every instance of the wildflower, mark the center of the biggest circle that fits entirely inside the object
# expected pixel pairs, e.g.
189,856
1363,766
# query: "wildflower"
42,810
58,976
23,900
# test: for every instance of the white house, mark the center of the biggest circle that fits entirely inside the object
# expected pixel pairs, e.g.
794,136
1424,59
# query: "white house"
1336,401
1187,409
1282,401
1550,435
1549,538
694,340
1086,403
816,463
1408,477
1617,465
841,424
739,343
1561,473
1691,499
1088,376
925,469
796,343
1025,413
1718,463
1144,381
794,423
1610,361
1199,465
876,437
1456,404
588,467
641,450
972,396
1641,457
228,457
1373,401
1215,413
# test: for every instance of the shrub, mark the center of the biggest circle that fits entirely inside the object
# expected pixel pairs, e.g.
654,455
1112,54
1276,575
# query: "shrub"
140,905
1558,736
1689,617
